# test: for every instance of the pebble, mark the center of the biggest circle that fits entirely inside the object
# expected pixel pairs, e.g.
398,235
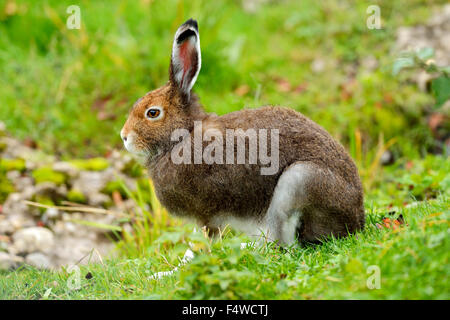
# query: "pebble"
8,261
33,239
62,241
52,213
66,168
38,260
318,65
6,227
434,34
98,199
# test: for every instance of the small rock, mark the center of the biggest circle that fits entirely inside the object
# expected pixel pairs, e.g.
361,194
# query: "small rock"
15,220
8,261
435,34
119,160
71,250
15,207
98,199
91,182
6,227
23,183
33,239
252,6
4,245
318,65
387,158
66,168
128,228
423,80
65,228
370,63
38,260
52,213
14,197
50,189
13,175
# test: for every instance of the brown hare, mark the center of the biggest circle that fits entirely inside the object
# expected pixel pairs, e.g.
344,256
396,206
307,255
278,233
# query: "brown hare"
204,166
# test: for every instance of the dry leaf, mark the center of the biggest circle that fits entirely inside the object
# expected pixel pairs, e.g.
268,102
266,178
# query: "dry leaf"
242,90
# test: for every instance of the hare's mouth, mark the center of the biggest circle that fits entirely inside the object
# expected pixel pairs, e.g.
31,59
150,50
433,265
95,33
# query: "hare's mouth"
130,145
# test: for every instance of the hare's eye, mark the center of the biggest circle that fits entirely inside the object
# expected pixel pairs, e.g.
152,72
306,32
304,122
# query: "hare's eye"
154,113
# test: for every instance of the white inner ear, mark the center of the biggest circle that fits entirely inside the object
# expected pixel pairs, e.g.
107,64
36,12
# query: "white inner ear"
182,76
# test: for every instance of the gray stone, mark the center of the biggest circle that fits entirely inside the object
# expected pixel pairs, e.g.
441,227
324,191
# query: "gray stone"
72,250
91,182
6,227
13,175
23,183
50,189
52,213
15,209
370,63
119,160
8,261
434,34
66,168
33,239
252,6
38,260
387,158
318,65
16,216
98,199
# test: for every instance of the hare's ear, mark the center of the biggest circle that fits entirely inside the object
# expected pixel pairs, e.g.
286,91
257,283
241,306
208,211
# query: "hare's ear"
186,58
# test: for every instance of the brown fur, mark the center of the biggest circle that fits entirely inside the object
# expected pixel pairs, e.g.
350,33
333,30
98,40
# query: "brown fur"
334,204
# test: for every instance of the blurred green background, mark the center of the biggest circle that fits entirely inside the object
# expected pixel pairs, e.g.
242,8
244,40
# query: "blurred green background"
69,91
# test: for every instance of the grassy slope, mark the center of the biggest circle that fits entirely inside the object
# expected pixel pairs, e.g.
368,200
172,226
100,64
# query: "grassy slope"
413,262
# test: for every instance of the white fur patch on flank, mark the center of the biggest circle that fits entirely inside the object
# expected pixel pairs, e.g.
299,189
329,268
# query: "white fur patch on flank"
289,197
284,214
257,230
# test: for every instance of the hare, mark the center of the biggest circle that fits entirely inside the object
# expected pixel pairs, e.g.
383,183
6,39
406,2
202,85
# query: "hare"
312,189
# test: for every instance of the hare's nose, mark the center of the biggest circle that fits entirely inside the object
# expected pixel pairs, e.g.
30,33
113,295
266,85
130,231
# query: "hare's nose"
123,136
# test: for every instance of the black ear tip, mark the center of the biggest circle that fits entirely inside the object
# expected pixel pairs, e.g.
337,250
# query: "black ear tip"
193,23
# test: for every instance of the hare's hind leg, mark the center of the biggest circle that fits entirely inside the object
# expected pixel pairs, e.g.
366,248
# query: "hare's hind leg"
284,215
310,203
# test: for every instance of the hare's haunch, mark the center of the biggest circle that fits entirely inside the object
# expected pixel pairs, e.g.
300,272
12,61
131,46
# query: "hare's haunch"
269,171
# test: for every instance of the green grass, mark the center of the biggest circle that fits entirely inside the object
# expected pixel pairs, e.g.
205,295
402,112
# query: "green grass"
412,259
